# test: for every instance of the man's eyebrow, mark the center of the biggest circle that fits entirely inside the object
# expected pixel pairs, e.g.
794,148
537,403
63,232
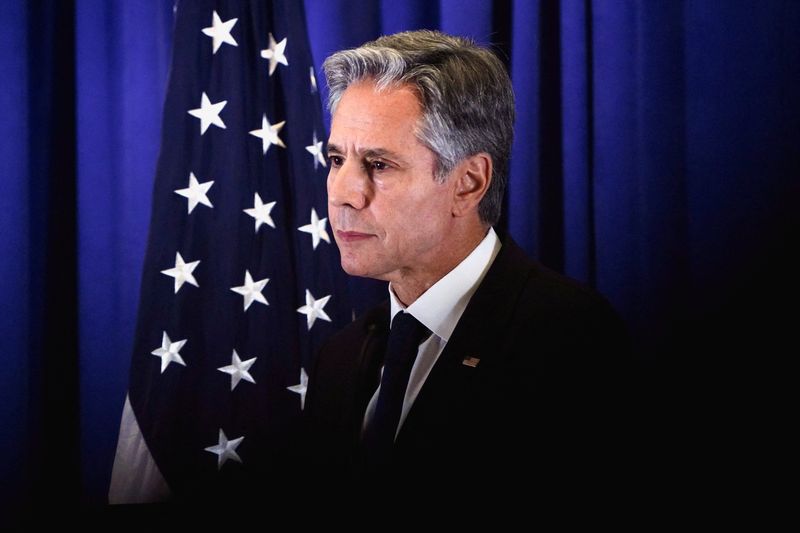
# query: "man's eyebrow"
377,153
369,153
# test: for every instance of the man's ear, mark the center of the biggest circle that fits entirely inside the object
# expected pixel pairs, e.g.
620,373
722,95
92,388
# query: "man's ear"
473,176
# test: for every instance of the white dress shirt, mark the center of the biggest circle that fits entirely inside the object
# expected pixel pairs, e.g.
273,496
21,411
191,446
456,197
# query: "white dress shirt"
439,309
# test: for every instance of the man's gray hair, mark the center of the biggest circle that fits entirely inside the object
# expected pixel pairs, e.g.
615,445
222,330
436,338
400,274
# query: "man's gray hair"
464,90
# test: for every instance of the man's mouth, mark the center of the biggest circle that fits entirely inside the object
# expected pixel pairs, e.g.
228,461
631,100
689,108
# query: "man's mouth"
352,236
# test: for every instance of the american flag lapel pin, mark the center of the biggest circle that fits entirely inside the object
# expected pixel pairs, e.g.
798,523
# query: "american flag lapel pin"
471,361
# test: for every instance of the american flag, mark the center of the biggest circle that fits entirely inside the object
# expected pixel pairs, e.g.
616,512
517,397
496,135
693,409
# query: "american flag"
241,279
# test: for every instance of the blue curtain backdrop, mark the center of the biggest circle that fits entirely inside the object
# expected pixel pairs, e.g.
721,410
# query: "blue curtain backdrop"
657,157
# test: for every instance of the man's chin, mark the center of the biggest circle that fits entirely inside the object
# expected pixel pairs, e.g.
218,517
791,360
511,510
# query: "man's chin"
360,271
354,270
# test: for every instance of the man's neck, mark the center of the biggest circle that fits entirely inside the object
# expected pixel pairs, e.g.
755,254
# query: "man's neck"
411,285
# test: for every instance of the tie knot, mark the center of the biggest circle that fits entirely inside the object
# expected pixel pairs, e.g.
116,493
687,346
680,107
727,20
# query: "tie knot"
405,336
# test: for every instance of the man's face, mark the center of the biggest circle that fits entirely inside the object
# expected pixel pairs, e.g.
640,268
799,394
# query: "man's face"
390,218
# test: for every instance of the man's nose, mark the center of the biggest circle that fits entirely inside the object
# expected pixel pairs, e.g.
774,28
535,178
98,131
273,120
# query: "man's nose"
347,185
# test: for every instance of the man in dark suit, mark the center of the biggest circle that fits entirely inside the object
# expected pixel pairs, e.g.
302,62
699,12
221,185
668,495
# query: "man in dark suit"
515,371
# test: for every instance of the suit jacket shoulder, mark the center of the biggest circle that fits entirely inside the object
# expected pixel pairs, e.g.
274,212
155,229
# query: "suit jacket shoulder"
341,382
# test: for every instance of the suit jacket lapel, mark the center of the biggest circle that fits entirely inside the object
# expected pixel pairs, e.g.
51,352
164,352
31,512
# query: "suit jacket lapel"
478,333
372,351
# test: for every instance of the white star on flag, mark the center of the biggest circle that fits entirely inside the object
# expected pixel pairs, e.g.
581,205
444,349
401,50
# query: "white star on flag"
276,53
196,192
317,229
316,151
220,32
169,352
182,272
269,134
238,370
301,388
313,79
251,290
226,449
260,211
208,113
314,309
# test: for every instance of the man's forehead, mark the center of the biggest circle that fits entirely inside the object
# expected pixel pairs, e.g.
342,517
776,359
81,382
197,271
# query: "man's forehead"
372,122
366,95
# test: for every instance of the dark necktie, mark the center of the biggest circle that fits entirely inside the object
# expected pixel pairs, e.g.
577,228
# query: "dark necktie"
405,337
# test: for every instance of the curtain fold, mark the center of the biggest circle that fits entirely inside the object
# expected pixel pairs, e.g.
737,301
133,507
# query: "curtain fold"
15,276
39,294
123,51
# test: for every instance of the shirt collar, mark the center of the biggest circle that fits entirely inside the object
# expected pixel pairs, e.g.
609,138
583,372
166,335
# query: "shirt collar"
441,306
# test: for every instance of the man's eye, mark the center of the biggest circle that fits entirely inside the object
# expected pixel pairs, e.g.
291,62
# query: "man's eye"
379,165
336,160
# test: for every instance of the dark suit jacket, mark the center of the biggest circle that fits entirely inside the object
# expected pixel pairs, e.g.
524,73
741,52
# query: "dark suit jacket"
543,401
